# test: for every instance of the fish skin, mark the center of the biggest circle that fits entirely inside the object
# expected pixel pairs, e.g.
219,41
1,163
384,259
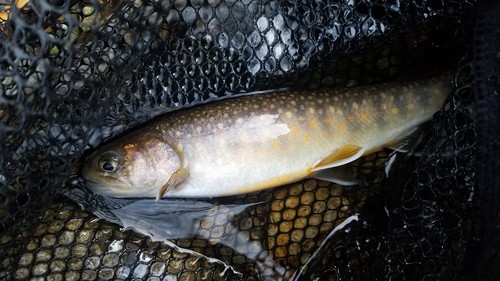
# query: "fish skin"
255,142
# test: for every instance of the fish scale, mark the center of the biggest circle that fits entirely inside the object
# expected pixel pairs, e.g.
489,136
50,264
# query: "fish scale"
256,142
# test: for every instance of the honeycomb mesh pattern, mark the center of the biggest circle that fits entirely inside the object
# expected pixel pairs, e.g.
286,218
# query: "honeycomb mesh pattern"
75,73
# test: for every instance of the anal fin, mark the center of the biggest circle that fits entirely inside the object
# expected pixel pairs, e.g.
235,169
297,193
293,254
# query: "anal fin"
408,141
343,175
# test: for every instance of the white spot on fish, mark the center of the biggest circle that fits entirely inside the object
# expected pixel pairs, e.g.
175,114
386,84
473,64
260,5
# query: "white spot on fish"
222,142
311,110
198,129
257,129
289,114
220,125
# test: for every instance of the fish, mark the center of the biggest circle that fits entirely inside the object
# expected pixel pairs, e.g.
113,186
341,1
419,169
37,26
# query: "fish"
255,142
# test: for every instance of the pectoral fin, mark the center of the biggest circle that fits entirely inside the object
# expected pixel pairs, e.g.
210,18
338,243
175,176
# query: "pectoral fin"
344,155
176,179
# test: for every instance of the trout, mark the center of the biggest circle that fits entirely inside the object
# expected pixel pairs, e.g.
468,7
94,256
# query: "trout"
254,142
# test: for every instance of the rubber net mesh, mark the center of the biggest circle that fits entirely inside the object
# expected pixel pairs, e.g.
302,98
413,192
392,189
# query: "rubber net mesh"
75,73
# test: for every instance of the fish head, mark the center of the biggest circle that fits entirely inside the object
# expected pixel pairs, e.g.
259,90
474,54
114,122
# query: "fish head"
138,167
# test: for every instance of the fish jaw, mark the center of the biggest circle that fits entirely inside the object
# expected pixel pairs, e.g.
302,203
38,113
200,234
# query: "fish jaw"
113,190
120,191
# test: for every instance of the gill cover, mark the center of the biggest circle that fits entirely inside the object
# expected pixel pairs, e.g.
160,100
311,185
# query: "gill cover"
164,165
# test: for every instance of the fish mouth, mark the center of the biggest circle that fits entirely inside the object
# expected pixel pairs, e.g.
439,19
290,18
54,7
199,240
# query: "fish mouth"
109,190
97,181
95,186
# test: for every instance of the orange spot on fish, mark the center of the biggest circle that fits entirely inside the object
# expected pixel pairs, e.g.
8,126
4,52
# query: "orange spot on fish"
277,144
328,121
294,129
343,127
326,136
363,117
350,118
307,138
313,124
395,110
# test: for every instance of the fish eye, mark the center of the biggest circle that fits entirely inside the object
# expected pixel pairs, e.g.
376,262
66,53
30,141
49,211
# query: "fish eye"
109,162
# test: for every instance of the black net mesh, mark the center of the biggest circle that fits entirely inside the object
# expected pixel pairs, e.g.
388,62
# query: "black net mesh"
75,73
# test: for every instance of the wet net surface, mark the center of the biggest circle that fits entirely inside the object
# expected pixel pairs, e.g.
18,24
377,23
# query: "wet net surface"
74,73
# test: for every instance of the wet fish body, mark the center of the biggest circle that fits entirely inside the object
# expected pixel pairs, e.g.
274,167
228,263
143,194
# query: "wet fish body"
255,142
